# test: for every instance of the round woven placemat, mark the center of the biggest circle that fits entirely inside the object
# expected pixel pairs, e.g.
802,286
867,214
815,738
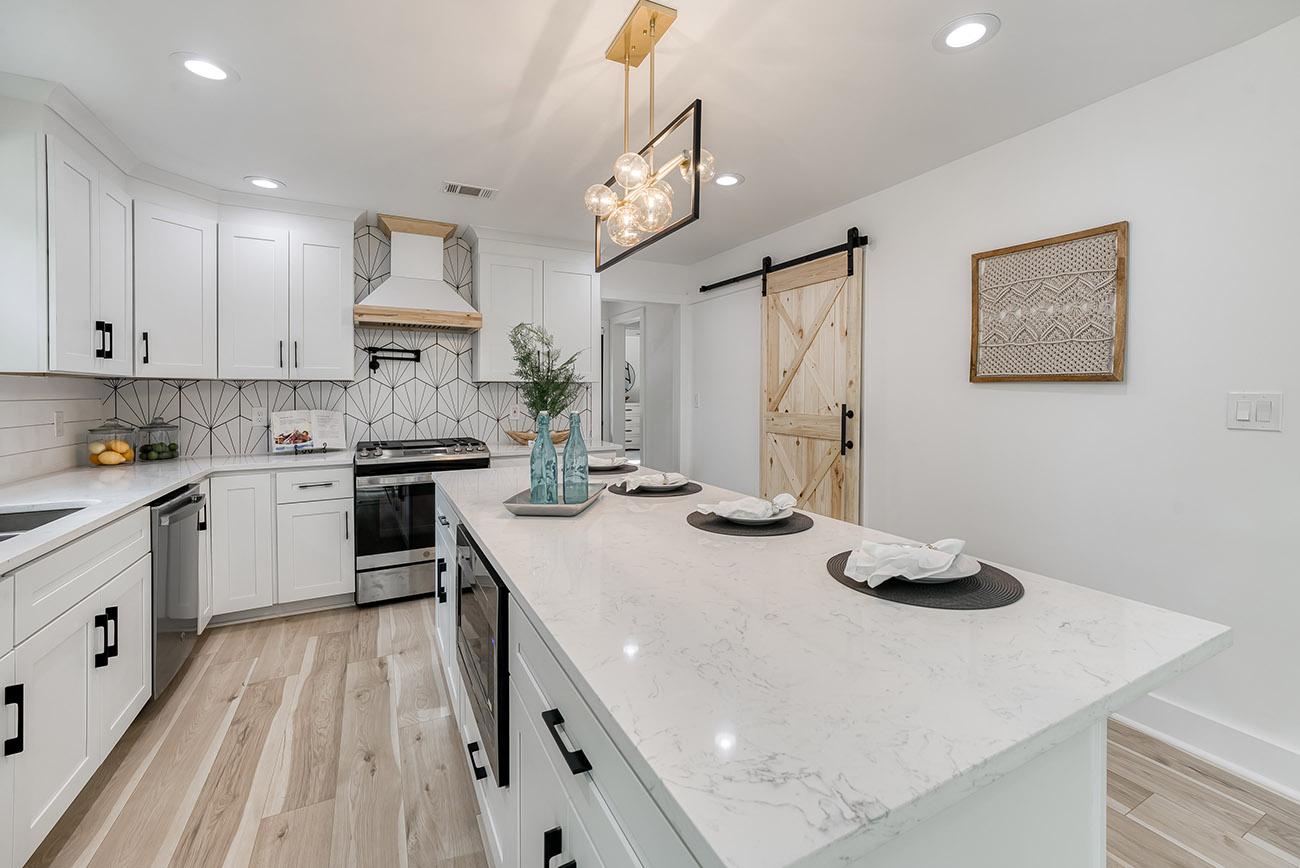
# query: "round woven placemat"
688,488
796,523
623,468
990,588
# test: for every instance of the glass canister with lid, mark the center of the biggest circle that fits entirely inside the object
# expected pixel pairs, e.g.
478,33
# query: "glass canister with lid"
159,440
111,444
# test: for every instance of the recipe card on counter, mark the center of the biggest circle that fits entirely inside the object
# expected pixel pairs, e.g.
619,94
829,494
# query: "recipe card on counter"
303,430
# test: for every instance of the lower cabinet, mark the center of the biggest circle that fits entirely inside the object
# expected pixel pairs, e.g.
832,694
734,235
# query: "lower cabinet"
497,805
315,550
241,512
11,733
125,682
205,557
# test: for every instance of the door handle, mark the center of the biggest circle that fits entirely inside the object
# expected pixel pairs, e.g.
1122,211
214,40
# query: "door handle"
553,846
108,339
203,518
99,333
110,649
479,772
145,360
845,415
282,354
101,623
576,760
295,354
347,527
442,588
14,696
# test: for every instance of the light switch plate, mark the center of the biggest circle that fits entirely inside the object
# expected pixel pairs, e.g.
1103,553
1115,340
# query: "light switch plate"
1255,411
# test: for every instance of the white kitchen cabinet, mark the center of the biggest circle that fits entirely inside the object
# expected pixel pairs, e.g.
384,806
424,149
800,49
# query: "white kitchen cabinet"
498,806
320,305
205,558
115,295
314,549
444,611
24,338
253,309
10,721
240,517
571,312
125,682
175,293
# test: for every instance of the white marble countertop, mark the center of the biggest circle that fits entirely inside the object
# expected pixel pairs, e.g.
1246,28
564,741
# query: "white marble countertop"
777,717
115,491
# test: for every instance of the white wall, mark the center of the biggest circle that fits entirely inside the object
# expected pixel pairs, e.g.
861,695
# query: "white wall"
29,443
661,381
1135,488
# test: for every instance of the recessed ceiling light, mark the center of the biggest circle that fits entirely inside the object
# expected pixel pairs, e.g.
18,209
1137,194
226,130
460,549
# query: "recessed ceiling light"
728,179
966,32
204,67
264,183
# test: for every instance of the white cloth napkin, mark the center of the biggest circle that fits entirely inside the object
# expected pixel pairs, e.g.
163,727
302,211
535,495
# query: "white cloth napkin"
632,483
749,507
873,563
604,461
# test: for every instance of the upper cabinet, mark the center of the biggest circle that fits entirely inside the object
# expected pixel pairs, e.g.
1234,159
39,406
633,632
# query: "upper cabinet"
320,303
554,288
23,328
175,294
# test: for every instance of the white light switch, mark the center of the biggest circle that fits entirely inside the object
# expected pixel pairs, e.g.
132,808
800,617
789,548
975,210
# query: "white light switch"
1255,411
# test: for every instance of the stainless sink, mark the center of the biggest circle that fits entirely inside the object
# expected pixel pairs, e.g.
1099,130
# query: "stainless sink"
16,520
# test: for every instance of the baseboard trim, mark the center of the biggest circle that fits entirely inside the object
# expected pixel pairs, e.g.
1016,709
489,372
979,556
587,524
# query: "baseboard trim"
301,607
1256,759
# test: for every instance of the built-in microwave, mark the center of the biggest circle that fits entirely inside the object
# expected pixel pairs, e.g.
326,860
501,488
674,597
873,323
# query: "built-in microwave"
482,652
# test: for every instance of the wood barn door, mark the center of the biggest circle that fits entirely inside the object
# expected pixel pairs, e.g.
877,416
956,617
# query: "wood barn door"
812,375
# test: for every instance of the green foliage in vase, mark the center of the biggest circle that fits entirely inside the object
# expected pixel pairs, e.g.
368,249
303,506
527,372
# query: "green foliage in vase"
547,383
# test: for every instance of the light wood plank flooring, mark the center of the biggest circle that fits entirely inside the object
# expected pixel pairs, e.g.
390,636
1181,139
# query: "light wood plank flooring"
319,741
326,740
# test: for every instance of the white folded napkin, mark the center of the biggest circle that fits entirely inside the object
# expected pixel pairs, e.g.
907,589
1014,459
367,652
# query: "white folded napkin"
604,461
874,563
749,507
632,483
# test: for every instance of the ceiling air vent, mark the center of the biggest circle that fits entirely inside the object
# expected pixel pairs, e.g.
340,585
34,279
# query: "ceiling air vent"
468,190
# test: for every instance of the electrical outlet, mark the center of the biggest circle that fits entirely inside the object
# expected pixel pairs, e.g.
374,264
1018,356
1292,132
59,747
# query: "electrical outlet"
259,416
697,400
58,424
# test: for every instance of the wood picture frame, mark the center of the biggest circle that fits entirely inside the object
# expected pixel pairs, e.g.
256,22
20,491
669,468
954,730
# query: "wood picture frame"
1060,312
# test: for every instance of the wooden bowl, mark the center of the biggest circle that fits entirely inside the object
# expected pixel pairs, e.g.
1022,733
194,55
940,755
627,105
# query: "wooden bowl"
523,438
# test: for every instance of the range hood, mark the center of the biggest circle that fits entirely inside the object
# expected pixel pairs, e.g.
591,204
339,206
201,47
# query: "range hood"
414,295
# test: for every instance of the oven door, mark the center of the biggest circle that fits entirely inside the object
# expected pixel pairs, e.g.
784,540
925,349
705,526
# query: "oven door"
395,520
481,647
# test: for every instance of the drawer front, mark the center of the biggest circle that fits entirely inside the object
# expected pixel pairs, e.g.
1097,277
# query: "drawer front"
53,584
6,614
624,823
327,483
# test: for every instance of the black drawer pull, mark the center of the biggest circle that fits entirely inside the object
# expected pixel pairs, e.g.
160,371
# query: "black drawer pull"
99,333
442,520
101,623
108,340
145,337
479,772
14,696
575,759
442,588
111,648
553,846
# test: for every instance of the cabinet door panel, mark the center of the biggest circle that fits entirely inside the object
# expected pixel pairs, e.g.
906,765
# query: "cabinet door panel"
73,218
243,557
253,302
320,306
571,312
126,683
314,550
116,280
205,559
8,729
24,329
511,293
175,293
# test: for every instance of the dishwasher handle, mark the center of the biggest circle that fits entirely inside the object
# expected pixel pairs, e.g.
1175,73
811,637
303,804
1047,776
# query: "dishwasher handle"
185,507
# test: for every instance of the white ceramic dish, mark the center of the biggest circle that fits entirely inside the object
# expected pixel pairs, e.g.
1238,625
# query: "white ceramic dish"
771,519
676,485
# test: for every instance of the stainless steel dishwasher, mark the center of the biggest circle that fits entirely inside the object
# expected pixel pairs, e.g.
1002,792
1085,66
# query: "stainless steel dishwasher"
178,519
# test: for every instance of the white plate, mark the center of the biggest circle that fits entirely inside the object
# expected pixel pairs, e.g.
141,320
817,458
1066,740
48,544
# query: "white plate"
771,519
964,566
673,487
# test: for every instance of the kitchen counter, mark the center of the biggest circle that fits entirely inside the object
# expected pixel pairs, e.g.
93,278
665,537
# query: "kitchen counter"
778,718
514,450
115,491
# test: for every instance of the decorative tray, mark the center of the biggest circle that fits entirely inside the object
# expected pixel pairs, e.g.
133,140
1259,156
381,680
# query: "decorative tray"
521,503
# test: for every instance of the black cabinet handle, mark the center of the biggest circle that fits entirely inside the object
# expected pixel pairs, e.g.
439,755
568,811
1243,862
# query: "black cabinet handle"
101,623
553,846
110,615
575,759
99,334
442,520
442,588
479,772
14,696
845,415
145,360
203,518
108,339
295,354
282,354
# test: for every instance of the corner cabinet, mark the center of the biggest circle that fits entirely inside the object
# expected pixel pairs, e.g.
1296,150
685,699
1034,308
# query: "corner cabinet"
175,294
554,288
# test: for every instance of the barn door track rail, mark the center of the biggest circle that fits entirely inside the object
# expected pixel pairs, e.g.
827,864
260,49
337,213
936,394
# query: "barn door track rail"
853,242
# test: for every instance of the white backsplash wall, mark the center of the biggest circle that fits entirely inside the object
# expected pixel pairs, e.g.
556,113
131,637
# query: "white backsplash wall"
30,443
435,398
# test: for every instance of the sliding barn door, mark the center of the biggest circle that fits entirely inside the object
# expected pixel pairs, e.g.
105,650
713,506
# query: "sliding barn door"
812,375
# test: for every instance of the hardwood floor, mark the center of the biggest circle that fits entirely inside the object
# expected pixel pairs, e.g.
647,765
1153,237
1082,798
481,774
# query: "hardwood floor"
326,741
318,741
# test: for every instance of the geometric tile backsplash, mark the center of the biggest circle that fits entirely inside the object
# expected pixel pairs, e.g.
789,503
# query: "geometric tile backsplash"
434,398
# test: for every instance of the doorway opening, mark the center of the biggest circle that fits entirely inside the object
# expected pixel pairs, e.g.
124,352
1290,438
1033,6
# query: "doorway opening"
625,385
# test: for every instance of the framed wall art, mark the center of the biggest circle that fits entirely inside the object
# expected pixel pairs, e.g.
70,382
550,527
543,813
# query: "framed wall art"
1051,310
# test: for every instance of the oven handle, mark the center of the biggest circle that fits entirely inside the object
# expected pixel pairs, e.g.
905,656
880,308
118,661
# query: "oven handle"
375,483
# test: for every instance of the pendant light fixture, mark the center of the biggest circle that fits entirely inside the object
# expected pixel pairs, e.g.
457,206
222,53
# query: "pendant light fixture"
635,207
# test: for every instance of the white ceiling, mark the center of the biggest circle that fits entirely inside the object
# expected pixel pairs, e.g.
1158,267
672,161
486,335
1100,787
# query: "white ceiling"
372,105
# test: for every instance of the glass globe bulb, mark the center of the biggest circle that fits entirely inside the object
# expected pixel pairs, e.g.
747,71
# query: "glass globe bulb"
631,170
600,200
708,167
666,187
656,207
624,223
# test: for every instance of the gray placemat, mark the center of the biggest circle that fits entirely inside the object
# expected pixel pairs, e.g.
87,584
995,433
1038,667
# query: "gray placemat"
796,523
990,588
688,488
624,468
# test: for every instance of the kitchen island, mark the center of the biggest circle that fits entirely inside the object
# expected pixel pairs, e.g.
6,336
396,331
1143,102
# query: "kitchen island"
778,718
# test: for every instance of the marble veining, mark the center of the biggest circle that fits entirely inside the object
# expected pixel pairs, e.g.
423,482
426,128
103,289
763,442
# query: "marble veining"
779,718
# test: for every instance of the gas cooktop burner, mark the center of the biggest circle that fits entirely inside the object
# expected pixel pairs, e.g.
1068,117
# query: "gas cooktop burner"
434,450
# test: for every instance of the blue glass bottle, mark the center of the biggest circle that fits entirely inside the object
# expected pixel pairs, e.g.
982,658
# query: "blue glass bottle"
543,486
575,463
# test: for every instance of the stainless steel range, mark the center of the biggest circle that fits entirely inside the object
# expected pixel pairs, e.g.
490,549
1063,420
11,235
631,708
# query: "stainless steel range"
396,545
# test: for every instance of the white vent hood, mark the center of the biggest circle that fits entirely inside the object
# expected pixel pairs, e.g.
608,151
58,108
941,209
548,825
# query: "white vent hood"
414,295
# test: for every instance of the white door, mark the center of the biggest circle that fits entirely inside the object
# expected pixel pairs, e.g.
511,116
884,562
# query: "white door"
314,549
114,307
205,559
511,293
126,683
571,312
56,667
243,554
73,220
10,719
320,306
253,302
175,294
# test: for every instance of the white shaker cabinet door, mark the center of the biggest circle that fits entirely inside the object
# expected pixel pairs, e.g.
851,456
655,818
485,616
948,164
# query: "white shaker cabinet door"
243,543
73,189
508,292
175,294
314,550
320,305
10,721
571,312
115,307
205,558
253,302
126,683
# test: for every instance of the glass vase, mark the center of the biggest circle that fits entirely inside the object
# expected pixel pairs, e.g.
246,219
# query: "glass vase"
543,481
575,463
